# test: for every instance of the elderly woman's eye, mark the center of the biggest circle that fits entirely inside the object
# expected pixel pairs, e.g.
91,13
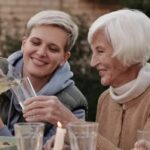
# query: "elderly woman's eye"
100,51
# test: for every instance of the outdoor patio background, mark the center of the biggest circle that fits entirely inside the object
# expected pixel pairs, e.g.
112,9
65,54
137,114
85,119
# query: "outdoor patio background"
15,13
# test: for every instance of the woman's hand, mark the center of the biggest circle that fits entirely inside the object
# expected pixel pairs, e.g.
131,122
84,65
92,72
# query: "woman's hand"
142,145
47,109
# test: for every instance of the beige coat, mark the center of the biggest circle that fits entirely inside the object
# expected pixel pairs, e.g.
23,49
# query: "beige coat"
118,123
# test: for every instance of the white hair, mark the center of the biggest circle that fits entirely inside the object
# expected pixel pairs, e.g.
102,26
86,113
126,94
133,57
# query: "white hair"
56,18
129,33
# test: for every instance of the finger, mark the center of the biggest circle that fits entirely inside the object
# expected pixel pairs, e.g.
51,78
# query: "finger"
35,111
48,114
48,101
36,104
35,115
35,98
41,117
45,112
34,119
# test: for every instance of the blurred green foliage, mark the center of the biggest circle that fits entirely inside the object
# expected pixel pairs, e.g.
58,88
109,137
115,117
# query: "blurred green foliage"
143,5
10,45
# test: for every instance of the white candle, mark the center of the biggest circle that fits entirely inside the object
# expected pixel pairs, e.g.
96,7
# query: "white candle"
59,138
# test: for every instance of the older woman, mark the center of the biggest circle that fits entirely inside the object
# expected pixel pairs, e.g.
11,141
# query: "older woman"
120,43
46,47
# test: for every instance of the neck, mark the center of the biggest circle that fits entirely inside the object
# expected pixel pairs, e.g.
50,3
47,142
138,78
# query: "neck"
130,74
37,82
131,90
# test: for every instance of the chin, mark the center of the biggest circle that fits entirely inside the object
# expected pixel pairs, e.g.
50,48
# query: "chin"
105,83
36,74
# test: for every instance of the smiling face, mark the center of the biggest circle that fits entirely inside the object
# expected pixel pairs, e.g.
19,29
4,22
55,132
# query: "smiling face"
44,51
111,70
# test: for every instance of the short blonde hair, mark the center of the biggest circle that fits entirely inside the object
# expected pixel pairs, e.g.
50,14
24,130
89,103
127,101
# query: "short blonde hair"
56,18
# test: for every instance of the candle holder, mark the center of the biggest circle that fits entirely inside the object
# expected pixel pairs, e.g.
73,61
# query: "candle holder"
83,135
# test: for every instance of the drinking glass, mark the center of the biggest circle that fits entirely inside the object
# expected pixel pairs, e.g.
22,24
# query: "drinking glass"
23,90
7,80
83,135
29,136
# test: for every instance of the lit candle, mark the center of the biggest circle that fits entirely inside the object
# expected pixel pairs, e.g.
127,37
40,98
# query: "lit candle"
59,138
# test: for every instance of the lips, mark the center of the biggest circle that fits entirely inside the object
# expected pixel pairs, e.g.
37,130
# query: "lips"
102,72
38,62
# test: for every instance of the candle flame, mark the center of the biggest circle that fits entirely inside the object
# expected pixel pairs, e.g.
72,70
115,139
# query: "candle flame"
59,124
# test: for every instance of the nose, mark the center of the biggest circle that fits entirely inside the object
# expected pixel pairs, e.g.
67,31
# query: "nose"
41,50
94,60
